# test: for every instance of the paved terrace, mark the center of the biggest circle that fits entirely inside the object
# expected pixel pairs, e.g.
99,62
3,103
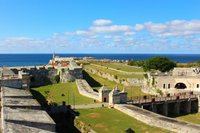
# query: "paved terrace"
21,113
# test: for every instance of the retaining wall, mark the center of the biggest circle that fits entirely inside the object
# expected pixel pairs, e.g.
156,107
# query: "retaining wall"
129,73
157,120
124,81
13,83
85,89
84,128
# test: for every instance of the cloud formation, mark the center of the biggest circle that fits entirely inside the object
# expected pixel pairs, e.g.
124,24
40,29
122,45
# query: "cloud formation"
110,29
175,28
101,22
103,36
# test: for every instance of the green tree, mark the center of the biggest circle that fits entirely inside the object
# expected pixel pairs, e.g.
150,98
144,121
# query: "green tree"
162,64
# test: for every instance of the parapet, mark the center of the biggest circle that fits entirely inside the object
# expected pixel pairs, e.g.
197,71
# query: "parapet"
22,114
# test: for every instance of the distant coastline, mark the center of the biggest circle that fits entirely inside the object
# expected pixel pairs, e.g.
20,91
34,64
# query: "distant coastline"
40,59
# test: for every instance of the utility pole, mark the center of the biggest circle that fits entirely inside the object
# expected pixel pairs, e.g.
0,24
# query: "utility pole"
68,97
73,98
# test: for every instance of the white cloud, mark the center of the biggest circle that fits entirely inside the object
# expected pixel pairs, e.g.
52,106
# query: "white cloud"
129,33
175,28
101,22
111,29
18,40
82,32
158,28
139,27
107,37
166,36
117,38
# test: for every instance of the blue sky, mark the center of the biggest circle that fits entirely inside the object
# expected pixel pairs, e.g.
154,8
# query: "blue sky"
100,26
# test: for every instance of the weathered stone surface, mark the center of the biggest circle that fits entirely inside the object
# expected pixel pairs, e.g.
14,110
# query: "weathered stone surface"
21,113
157,120
85,89
124,81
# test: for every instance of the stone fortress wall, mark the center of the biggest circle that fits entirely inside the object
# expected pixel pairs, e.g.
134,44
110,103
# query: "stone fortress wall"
114,96
13,83
39,75
85,89
157,120
20,113
124,81
129,73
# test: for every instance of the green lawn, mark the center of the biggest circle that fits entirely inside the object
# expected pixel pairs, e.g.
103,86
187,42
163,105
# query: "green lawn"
105,120
121,66
192,118
116,73
96,82
61,92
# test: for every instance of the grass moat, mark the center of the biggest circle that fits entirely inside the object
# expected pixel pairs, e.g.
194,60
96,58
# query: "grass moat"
57,93
105,120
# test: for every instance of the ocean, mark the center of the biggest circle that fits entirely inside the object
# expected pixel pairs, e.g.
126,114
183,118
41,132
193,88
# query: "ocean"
41,59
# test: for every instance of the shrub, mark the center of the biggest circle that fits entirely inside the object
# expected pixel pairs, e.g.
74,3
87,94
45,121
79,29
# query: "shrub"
159,91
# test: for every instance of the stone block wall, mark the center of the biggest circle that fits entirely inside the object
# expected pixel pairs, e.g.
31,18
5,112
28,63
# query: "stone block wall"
124,81
157,120
40,75
85,89
13,83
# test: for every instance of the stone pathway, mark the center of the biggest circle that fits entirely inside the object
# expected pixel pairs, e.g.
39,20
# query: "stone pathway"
87,106
157,120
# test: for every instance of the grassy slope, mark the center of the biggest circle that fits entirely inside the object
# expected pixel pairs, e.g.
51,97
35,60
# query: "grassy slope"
68,89
121,66
99,81
113,72
104,120
193,118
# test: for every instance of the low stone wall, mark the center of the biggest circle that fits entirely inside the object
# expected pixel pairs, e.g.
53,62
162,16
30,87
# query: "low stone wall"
147,89
129,73
84,128
40,75
13,83
124,81
157,120
85,89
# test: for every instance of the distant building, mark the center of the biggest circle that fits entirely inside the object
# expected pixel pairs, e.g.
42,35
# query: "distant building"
104,94
178,79
67,68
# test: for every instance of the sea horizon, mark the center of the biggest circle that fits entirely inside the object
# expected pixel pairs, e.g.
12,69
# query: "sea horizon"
22,59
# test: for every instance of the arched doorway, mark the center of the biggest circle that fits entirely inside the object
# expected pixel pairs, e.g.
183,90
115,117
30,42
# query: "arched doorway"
180,86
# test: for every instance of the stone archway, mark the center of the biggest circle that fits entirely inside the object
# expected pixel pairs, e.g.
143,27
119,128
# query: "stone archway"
180,86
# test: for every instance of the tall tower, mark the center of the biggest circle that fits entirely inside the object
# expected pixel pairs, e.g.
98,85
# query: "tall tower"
53,55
